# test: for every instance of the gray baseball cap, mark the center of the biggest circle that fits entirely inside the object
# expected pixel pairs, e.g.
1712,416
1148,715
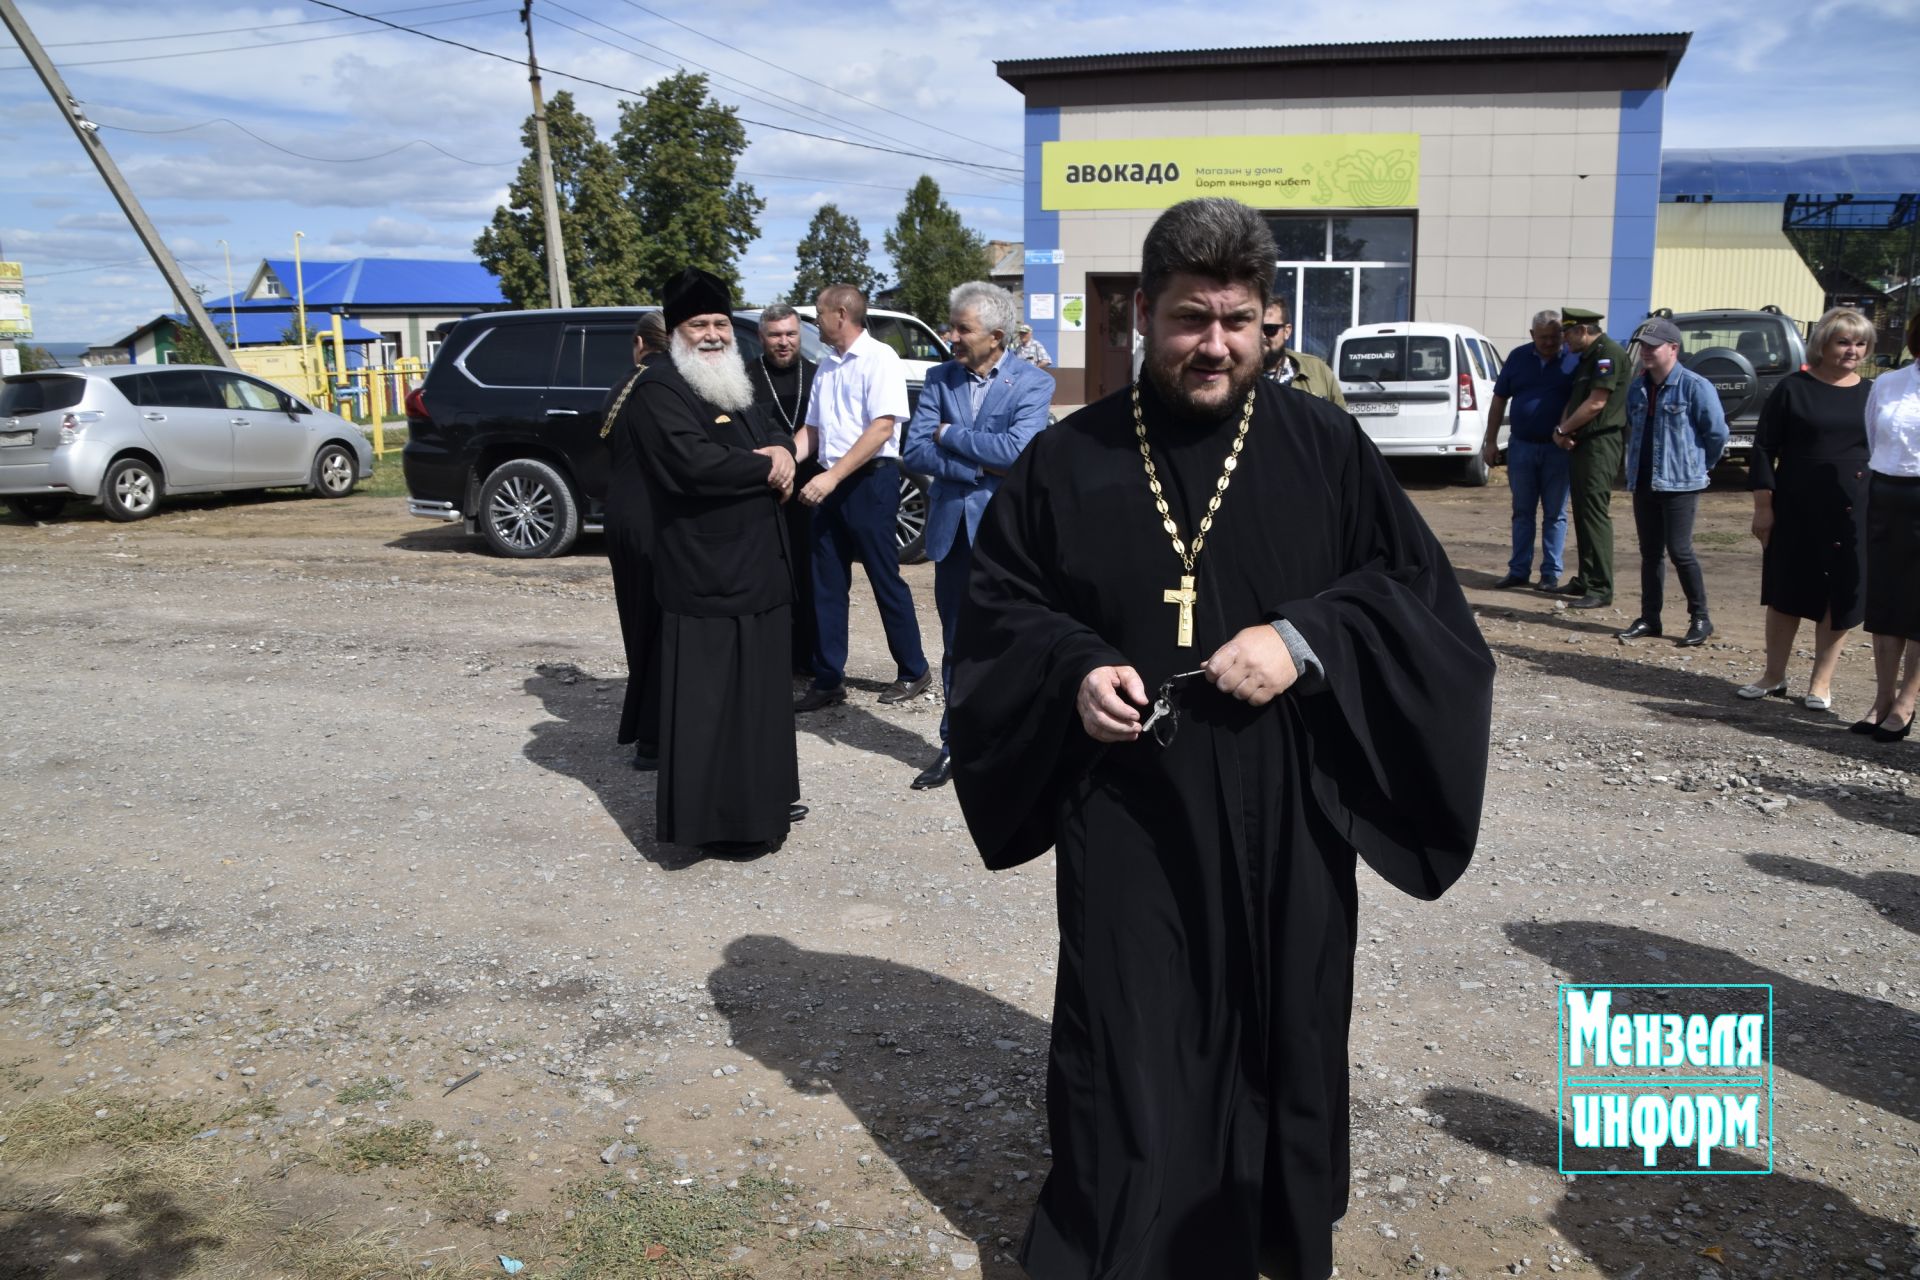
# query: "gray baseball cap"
1656,332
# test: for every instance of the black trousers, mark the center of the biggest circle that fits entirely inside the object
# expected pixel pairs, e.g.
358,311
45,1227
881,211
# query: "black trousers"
1664,522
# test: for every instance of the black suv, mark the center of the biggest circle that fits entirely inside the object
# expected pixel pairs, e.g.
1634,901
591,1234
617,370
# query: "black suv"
1744,354
504,434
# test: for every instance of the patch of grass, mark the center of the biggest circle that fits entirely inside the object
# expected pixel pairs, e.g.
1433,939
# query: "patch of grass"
1721,538
371,1089
616,1224
464,1192
17,1079
307,1251
44,1127
396,1146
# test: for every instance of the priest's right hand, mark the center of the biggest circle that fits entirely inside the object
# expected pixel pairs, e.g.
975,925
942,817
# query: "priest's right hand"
780,476
1104,712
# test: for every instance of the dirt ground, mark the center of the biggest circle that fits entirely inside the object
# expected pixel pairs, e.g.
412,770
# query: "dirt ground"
310,810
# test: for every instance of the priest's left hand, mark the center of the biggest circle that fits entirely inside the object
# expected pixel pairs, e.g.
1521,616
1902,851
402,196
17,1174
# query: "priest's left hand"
1254,666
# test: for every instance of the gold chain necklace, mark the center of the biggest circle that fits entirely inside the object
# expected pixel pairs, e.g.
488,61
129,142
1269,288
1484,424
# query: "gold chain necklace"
1185,596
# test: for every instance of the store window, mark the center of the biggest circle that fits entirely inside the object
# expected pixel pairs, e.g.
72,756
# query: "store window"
1337,272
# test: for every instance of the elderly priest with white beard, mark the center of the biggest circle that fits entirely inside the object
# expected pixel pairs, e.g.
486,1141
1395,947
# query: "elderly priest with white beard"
716,474
1209,652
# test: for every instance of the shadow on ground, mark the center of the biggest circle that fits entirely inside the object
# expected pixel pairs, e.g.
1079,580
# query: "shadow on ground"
1895,895
1803,1227
949,1081
1834,1038
156,1239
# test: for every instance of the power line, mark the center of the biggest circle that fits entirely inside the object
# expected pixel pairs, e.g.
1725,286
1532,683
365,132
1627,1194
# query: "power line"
229,31
636,93
379,155
631,4
259,46
877,186
745,90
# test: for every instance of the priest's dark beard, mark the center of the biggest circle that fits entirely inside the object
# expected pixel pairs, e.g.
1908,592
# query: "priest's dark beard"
1164,374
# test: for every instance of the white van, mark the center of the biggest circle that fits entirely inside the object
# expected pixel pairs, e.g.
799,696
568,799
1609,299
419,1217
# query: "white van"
1421,390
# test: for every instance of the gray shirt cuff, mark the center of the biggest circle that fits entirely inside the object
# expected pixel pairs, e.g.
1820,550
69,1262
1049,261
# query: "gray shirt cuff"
1312,673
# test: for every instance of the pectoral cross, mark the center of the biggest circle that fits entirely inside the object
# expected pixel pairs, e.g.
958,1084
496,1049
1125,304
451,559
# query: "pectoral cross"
1185,598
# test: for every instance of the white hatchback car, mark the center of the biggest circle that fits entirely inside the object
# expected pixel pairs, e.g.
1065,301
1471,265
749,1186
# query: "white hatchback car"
127,435
918,346
1421,390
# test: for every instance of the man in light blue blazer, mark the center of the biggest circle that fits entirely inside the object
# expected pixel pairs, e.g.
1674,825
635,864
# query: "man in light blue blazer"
978,411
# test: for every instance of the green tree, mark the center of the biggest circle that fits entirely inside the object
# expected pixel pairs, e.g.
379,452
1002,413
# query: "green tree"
190,346
932,251
678,149
832,252
604,244
34,359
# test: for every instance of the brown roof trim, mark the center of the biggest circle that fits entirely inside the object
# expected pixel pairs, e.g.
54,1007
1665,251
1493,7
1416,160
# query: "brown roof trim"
1673,46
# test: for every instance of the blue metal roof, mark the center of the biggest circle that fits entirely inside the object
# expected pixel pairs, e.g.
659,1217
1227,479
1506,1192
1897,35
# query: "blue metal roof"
1769,175
263,328
390,282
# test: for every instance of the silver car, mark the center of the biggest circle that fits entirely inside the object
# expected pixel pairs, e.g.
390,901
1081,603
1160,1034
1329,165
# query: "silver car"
127,435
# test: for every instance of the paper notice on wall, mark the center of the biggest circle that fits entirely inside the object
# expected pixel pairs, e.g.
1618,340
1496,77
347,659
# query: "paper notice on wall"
1040,306
1073,312
9,362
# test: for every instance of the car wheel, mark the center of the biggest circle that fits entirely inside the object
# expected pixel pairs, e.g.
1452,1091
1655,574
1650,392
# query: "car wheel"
527,510
1474,470
131,490
910,525
37,506
334,471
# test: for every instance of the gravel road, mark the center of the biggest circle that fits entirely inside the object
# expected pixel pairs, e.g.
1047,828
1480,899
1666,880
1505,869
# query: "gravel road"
297,793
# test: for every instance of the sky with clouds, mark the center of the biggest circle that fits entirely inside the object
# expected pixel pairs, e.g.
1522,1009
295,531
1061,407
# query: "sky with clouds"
342,110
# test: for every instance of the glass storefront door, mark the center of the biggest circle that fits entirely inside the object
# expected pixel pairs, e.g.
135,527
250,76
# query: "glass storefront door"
1334,273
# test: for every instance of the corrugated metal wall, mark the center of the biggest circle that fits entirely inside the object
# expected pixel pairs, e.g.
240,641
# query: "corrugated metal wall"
1730,255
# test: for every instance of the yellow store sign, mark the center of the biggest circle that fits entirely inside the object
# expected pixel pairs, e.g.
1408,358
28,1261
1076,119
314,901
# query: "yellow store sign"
1314,171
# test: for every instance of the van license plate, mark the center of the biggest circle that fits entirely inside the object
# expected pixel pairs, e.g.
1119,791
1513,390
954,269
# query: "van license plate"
16,437
1383,407
1740,442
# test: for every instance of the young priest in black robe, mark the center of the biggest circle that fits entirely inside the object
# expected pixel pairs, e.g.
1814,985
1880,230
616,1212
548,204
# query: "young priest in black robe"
782,382
629,523
1207,824
716,475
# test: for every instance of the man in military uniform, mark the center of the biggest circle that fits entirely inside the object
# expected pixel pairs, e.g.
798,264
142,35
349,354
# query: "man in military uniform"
1593,430
1301,370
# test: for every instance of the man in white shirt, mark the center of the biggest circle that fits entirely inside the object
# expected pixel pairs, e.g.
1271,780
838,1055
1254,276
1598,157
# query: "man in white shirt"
859,394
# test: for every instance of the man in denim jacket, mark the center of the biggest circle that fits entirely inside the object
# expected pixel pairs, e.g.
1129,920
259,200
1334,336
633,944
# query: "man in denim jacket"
1675,434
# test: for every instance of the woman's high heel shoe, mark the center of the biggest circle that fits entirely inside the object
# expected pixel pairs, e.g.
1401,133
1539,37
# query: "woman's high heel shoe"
1883,734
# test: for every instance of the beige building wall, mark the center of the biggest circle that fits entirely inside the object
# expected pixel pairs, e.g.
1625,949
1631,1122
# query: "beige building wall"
1516,195
1708,256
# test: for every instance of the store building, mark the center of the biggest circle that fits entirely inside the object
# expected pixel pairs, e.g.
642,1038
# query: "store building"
1468,181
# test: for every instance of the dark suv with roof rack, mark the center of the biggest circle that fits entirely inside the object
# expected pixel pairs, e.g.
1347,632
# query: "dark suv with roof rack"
504,434
1744,354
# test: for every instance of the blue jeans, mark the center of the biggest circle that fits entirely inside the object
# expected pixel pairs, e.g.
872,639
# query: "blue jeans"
949,593
1539,473
856,523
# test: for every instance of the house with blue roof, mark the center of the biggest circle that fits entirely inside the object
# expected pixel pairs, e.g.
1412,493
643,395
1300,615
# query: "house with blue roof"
390,308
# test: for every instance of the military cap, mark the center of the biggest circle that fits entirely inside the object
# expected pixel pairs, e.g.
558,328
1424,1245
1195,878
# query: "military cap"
1580,315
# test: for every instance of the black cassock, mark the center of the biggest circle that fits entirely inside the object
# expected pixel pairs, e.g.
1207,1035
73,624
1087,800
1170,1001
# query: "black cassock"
629,525
785,397
1197,1087
728,766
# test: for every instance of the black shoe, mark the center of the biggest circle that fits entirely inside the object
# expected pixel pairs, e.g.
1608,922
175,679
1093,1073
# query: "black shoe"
1590,602
736,848
644,761
814,699
907,690
1637,628
1511,580
795,812
1883,734
1574,587
1697,632
1866,728
935,774
1549,586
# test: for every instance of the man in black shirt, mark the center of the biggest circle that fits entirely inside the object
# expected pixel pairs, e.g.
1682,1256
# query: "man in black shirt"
782,380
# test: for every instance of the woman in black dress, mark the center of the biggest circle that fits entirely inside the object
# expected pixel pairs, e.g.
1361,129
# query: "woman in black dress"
1893,546
1808,473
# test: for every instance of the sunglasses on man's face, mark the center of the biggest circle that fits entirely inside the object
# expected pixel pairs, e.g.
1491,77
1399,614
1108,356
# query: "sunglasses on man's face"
1273,330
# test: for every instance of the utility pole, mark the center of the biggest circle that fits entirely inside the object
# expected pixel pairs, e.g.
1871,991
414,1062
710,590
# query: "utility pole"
558,294
89,135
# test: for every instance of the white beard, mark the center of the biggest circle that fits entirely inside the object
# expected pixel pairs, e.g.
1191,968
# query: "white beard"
718,377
